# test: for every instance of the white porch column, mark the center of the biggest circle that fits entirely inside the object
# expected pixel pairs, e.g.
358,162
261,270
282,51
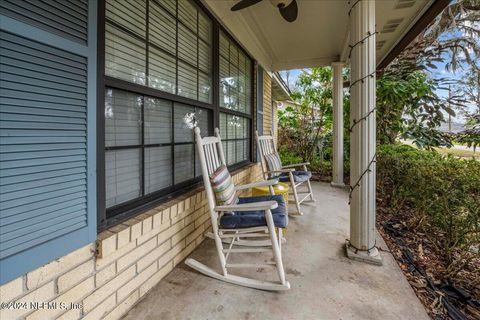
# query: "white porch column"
362,140
337,167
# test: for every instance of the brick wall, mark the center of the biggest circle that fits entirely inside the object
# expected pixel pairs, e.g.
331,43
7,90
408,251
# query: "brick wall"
108,277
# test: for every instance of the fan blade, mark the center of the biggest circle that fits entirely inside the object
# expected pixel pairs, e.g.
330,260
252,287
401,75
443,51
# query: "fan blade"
244,4
289,12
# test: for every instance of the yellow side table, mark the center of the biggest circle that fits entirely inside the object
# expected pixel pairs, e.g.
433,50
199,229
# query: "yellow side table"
279,189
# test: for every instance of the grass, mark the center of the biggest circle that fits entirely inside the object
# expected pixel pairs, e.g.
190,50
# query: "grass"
458,153
461,153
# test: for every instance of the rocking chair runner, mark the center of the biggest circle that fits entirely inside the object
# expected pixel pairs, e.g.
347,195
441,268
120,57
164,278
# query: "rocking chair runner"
272,168
247,218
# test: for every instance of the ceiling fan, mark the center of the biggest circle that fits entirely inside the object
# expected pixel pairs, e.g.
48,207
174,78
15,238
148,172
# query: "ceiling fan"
288,8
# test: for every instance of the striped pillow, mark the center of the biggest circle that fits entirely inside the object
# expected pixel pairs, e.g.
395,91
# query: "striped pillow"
222,186
273,163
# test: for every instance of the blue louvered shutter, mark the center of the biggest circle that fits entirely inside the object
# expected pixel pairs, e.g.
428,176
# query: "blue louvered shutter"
47,131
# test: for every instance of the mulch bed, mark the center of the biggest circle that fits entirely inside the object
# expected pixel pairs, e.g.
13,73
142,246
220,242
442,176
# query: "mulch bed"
425,269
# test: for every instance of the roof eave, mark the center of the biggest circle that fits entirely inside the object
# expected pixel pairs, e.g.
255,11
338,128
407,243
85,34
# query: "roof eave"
420,25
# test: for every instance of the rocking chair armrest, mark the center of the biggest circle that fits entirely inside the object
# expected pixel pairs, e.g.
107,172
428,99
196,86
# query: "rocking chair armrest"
253,206
281,170
264,183
296,165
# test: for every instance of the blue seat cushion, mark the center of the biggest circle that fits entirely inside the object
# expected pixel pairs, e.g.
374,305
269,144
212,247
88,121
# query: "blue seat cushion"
246,219
298,176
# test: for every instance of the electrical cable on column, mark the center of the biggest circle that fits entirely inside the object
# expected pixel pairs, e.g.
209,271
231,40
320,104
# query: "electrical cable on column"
363,118
372,111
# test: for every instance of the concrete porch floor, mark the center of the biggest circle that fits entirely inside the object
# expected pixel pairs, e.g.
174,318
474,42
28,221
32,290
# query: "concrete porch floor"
324,283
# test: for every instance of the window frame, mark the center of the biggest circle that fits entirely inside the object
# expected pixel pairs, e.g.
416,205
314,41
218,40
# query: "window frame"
116,214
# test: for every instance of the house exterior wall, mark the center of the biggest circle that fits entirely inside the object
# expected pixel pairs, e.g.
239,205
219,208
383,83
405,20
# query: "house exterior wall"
267,103
109,276
275,121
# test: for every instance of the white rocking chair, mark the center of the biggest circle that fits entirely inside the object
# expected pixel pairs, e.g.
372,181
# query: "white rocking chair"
288,174
266,216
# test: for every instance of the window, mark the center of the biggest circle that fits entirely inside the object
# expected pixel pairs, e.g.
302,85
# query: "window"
159,84
235,77
169,50
235,133
125,42
144,152
235,95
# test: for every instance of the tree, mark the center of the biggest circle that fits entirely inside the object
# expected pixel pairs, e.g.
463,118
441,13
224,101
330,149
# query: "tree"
452,38
471,135
303,126
469,88
450,42
409,108
408,102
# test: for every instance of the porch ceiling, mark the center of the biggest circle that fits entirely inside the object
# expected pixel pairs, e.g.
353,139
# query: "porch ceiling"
320,34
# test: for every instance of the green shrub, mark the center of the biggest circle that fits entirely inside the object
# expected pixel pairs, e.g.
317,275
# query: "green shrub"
289,157
318,166
443,193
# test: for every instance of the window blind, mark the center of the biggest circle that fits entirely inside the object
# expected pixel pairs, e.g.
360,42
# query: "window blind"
179,46
187,81
122,118
170,50
122,176
162,71
235,132
235,76
184,157
158,115
162,28
128,14
124,56
138,163
158,168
